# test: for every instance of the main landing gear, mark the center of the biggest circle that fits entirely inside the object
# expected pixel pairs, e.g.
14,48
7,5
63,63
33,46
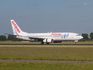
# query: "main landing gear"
43,43
74,43
47,43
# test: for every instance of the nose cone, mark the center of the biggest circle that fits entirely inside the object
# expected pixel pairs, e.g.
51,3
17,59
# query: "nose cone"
81,37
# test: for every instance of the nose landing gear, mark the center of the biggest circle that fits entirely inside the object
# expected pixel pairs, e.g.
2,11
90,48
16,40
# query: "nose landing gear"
75,42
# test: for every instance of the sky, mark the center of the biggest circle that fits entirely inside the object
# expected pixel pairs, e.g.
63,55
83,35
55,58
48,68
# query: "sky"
38,16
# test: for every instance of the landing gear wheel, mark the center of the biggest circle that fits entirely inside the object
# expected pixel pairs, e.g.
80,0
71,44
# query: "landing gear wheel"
47,43
74,43
42,42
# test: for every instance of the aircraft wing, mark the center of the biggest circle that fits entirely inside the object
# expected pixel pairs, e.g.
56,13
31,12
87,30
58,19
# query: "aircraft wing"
11,34
25,36
36,38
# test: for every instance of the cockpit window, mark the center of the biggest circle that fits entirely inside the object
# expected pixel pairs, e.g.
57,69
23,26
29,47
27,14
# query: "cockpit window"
77,35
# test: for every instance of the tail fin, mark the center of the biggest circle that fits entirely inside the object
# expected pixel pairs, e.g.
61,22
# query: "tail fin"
16,29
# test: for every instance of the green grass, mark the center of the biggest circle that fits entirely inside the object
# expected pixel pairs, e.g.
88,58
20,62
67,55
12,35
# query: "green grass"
43,66
46,52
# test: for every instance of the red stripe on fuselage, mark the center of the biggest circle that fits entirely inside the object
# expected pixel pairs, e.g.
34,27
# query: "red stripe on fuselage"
56,34
15,26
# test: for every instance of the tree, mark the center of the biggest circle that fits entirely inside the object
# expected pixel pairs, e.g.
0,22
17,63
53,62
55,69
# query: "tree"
91,35
2,37
85,36
12,38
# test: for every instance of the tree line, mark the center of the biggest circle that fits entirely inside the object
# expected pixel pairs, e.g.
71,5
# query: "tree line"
9,38
86,37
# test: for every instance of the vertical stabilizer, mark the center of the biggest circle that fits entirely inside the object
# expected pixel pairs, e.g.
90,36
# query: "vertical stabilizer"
16,29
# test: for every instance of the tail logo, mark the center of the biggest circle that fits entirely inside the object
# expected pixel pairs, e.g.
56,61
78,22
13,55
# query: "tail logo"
15,26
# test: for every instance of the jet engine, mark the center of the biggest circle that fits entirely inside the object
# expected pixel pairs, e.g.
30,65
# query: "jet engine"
47,40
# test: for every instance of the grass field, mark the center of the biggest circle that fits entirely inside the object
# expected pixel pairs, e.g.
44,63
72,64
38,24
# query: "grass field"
46,52
43,66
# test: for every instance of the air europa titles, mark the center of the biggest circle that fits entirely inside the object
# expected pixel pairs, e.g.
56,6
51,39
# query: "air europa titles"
56,34
15,26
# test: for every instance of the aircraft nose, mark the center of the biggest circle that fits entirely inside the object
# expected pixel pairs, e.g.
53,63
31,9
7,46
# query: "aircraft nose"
81,37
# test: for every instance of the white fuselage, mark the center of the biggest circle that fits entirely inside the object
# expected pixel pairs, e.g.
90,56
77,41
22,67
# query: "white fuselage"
65,36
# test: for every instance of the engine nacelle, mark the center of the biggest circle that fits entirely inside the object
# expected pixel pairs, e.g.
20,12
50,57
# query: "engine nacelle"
23,38
47,40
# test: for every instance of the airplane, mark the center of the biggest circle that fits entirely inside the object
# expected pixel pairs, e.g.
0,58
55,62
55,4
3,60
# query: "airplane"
45,37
